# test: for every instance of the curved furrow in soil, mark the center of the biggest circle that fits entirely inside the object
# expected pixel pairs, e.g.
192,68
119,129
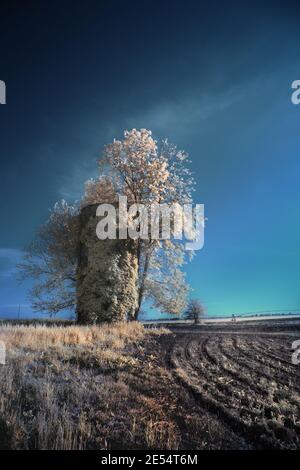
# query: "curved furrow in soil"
234,371
279,384
285,373
282,352
248,362
257,397
195,377
233,390
257,365
248,400
204,372
271,393
282,363
277,347
207,397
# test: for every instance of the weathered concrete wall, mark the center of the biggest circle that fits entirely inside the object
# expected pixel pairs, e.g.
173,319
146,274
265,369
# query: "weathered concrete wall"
107,274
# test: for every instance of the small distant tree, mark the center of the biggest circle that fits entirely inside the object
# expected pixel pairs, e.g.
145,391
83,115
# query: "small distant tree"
194,311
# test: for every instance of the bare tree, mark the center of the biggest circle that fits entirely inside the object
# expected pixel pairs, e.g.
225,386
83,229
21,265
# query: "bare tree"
51,261
194,311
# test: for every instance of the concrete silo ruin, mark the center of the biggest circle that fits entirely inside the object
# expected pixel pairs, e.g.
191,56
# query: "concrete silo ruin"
107,274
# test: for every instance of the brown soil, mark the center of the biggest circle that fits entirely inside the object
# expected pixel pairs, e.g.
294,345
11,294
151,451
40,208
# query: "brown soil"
247,382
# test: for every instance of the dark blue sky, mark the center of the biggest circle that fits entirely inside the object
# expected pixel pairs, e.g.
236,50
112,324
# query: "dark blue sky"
215,78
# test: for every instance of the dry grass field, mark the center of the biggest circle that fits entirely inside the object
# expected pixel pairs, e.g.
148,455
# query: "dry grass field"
130,387
69,387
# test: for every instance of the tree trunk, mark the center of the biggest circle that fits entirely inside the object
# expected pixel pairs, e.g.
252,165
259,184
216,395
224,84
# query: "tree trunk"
107,274
142,286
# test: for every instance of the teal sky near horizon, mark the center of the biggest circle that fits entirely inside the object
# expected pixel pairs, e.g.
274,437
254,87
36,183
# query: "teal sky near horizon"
213,79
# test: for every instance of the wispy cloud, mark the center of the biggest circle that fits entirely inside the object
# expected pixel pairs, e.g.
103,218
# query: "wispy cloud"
187,112
164,117
191,111
72,186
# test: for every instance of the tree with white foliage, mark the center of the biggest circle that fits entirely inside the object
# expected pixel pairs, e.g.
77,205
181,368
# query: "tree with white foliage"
145,171
149,172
